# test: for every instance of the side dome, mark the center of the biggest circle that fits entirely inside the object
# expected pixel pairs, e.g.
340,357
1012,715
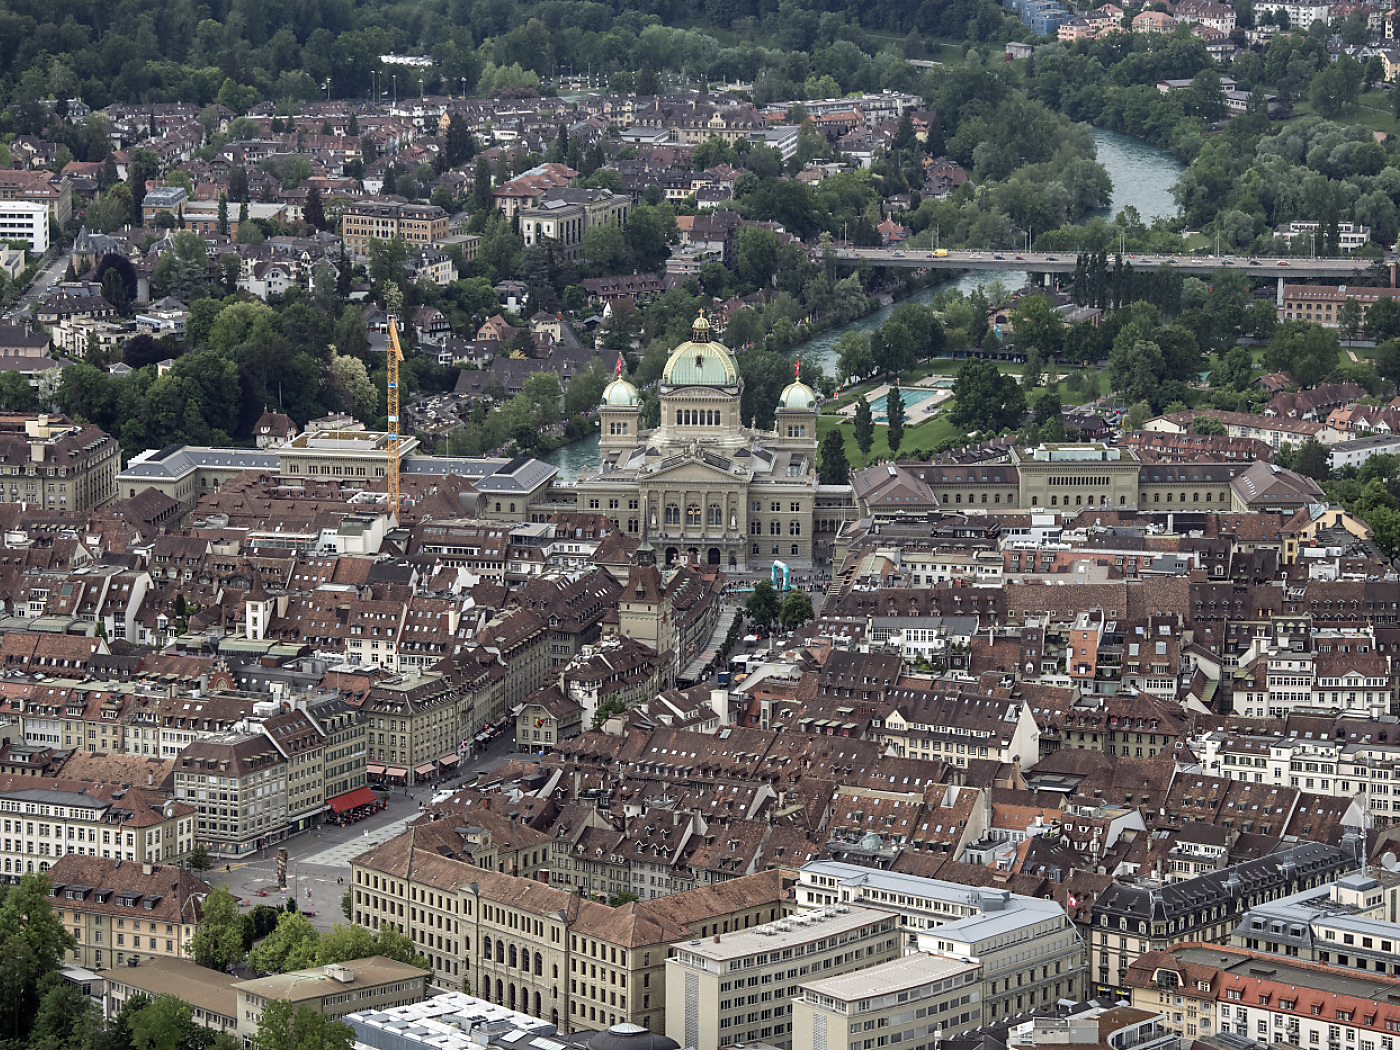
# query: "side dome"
799,397
620,394
701,362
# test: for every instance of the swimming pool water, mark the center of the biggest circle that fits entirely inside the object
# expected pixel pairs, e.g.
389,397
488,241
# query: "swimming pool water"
911,396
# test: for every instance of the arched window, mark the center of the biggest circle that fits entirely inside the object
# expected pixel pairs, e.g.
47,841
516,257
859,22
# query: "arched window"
537,1004
673,514
678,417
486,948
1195,497
692,514
775,528
512,955
500,990
1054,501
715,515
539,972
501,952
1035,501
795,528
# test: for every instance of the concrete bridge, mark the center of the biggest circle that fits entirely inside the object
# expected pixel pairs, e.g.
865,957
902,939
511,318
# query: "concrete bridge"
1338,271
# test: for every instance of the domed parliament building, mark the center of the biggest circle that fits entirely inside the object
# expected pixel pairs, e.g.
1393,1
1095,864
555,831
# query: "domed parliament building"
702,486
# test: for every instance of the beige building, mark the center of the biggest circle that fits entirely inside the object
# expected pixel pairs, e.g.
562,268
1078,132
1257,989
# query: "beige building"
414,723
545,951
347,746
120,912
336,990
239,784
301,742
54,462
55,818
340,453
209,993
563,215
368,220
739,988
701,486
919,999
1077,475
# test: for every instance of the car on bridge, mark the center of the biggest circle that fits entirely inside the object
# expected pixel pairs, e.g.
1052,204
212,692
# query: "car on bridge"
940,253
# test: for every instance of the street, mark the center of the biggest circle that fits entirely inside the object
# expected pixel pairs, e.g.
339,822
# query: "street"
317,858
48,277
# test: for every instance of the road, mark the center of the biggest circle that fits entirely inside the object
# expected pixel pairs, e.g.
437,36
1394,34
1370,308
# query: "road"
316,859
46,279
1064,262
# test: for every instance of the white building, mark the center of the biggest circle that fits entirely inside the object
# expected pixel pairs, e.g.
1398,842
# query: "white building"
1301,15
25,221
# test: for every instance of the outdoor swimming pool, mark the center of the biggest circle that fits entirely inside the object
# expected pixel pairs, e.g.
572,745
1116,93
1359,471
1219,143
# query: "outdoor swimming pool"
910,395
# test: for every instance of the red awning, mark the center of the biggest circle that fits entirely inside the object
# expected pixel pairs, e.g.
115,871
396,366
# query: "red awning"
450,760
423,770
396,771
374,769
352,799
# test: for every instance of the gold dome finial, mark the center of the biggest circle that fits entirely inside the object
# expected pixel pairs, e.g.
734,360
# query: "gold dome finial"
700,330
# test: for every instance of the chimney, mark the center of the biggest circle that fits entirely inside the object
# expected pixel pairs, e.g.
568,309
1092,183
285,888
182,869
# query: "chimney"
147,868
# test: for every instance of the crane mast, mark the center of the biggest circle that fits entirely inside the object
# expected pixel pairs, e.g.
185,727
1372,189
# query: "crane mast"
395,355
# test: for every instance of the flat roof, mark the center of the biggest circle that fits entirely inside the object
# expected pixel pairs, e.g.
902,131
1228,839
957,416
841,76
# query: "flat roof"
301,985
798,928
892,976
1280,968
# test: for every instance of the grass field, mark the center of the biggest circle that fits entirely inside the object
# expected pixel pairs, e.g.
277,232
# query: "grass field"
1375,112
923,436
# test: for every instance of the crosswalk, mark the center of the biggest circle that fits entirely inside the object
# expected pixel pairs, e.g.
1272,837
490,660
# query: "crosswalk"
342,854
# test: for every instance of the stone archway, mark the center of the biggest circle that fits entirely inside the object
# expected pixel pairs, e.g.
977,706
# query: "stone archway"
733,561
671,553
713,557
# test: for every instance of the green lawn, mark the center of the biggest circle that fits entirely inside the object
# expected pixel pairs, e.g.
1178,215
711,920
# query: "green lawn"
923,436
1375,112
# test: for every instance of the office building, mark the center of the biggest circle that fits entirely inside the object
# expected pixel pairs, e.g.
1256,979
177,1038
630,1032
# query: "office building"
739,987
374,983
915,1002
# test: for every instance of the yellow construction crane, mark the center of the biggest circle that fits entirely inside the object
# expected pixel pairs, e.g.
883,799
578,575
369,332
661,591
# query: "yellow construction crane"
395,355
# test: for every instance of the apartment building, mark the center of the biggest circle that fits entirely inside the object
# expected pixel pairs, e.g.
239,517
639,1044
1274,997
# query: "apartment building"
120,913
54,462
544,951
739,987
1267,999
52,818
52,192
368,220
238,781
372,983
1129,921
414,725
300,741
917,1000
347,745
1351,923
1338,767
562,216
26,221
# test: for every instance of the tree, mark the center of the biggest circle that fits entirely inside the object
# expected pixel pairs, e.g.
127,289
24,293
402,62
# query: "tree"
287,1026
223,214
833,467
865,429
347,907
763,605
1137,415
1383,318
985,399
609,706
625,897
164,1023
199,859
796,610
1208,425
894,416
1349,318
218,941
33,943
313,211
292,946
1312,460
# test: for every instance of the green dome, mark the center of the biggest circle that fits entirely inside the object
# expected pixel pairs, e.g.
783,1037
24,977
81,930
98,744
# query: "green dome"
798,396
620,394
701,362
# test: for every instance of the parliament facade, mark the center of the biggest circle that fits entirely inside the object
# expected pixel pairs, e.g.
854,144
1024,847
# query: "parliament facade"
701,485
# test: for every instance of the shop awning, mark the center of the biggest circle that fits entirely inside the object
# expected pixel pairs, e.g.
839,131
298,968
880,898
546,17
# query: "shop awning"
450,760
423,770
352,800
396,771
374,769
